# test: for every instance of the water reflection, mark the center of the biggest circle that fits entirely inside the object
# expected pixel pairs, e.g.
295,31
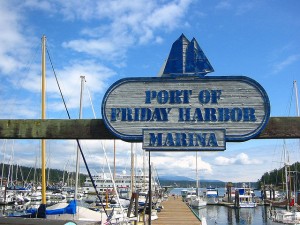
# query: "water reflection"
231,216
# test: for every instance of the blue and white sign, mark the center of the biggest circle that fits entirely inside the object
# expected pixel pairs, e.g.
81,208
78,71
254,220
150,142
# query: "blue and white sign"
187,139
186,113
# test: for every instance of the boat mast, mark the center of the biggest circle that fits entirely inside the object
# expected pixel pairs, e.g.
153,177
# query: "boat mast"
5,142
132,172
296,94
43,141
286,174
78,150
144,170
298,114
114,174
197,180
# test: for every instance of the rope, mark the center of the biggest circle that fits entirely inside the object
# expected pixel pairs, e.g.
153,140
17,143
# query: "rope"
90,100
61,94
77,140
106,158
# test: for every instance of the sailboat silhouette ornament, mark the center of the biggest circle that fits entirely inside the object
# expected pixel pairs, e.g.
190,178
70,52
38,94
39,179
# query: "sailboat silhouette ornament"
186,58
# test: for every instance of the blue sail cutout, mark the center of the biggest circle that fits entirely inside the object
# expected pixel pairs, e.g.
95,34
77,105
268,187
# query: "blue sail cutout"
186,58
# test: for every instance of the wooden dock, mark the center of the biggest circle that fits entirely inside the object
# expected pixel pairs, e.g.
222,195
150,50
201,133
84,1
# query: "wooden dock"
176,212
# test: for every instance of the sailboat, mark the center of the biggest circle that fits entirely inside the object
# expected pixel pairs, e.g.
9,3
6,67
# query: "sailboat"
197,201
68,211
290,215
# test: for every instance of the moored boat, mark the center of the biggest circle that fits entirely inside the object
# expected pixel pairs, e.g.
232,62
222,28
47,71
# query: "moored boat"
244,198
104,183
284,216
211,195
197,202
189,195
6,198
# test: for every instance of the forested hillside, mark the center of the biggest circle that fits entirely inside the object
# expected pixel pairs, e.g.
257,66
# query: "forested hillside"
277,176
22,174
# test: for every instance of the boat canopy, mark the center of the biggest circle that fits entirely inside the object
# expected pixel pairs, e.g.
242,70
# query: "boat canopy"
69,209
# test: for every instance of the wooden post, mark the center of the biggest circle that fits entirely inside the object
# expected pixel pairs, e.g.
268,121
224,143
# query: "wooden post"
265,193
144,210
150,190
130,205
277,128
229,185
106,199
136,207
237,199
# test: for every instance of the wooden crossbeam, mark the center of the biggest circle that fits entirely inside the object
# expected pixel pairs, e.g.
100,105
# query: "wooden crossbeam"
277,127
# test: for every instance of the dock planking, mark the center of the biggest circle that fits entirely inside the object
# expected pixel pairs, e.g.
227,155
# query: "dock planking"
176,212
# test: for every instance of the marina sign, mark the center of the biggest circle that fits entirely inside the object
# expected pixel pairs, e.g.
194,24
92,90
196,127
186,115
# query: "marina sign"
186,113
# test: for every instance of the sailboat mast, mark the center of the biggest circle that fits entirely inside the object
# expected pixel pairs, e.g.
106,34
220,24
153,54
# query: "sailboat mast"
296,94
298,114
43,141
286,174
114,174
197,180
78,150
132,171
144,170
5,142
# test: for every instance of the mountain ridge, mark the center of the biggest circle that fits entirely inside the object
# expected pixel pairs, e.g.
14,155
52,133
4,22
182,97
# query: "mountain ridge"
184,178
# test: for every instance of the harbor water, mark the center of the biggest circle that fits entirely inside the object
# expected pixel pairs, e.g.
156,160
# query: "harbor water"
223,215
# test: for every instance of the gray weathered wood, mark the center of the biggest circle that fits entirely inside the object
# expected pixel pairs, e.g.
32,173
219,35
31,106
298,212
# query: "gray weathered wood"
277,127
54,129
132,105
281,127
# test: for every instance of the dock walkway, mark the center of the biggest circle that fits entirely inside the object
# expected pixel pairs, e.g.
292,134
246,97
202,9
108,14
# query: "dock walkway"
176,212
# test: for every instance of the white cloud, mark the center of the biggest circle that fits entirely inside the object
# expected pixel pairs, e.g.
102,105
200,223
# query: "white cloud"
245,7
224,5
239,7
183,166
78,9
159,39
127,23
240,159
69,80
39,4
166,16
18,108
103,48
14,44
285,63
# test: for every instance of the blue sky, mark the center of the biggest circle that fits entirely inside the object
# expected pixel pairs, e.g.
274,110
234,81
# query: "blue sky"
109,40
